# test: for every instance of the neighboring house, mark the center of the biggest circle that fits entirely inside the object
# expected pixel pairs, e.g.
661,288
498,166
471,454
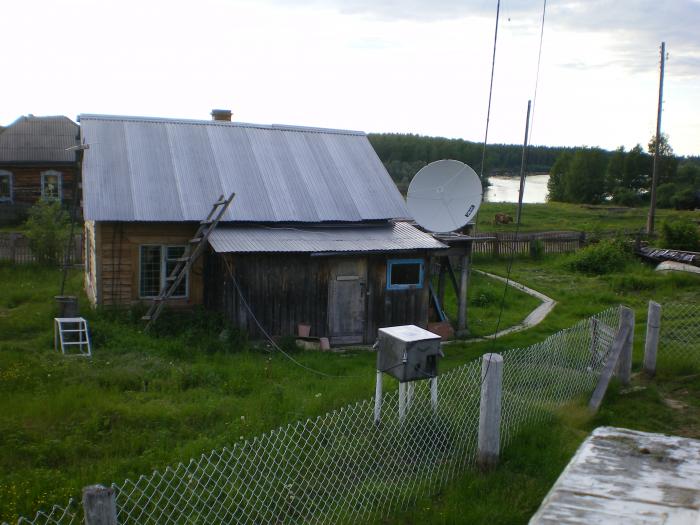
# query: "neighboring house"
312,236
35,163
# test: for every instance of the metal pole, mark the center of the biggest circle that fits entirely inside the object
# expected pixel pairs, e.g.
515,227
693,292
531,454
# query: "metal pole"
651,342
523,162
378,399
655,169
434,393
402,401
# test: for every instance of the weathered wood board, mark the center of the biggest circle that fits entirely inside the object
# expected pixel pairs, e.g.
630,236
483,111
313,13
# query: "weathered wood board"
625,476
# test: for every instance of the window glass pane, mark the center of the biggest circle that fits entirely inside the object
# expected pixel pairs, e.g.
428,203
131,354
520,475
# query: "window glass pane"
52,186
405,273
5,191
172,254
150,271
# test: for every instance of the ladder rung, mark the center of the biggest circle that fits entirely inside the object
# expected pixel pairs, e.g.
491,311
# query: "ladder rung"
221,202
146,318
208,221
79,330
196,239
64,343
182,259
171,277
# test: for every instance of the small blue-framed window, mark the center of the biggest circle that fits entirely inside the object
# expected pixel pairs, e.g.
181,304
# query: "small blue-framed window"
404,274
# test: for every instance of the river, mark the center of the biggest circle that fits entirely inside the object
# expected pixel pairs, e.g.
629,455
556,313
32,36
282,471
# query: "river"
505,189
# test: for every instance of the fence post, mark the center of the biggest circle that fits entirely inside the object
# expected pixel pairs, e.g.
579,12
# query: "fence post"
490,411
651,341
624,365
99,505
13,248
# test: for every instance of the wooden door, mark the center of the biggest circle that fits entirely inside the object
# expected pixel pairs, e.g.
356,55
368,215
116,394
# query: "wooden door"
347,287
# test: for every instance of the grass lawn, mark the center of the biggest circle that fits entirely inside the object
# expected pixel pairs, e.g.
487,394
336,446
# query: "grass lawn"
560,216
147,401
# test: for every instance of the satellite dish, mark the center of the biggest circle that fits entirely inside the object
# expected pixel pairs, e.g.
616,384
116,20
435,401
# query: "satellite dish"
444,196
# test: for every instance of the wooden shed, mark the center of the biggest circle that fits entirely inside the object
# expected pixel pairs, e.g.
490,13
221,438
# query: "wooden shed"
317,233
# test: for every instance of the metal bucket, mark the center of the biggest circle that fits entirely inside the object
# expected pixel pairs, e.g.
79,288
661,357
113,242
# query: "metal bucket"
67,305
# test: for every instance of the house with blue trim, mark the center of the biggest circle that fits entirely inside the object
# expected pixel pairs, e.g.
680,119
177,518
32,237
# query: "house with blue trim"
317,235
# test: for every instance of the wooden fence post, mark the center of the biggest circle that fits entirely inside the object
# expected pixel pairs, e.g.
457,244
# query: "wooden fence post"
490,411
613,357
651,341
99,505
624,365
13,247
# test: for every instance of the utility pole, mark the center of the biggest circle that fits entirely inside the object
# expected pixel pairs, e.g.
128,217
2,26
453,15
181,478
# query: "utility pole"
655,169
523,162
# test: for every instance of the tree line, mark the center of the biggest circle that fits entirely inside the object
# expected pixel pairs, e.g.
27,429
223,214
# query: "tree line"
404,154
593,175
583,175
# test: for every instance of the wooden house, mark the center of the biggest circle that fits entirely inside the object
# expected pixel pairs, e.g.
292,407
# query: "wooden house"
316,234
36,162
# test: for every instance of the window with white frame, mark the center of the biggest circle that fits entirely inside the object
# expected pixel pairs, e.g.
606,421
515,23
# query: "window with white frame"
156,262
51,185
5,186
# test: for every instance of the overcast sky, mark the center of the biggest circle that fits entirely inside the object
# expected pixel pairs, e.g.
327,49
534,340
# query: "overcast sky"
413,66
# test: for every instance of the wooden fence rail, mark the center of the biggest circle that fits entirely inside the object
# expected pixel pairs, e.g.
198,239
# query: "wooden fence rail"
14,247
505,243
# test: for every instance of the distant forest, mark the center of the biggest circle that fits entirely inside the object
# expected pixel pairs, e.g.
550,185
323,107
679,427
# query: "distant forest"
403,155
585,175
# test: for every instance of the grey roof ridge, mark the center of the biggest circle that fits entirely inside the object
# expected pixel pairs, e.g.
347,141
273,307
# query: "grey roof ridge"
195,122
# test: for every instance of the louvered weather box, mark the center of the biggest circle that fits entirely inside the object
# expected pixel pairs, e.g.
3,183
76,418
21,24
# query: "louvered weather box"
408,352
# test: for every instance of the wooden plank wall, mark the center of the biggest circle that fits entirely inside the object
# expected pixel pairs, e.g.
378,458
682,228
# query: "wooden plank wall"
504,243
117,255
284,290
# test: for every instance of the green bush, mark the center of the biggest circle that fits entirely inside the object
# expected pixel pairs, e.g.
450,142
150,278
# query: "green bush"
685,199
680,234
48,229
604,257
626,197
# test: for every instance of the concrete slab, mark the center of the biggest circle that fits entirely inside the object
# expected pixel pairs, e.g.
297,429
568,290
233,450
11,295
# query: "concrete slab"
630,477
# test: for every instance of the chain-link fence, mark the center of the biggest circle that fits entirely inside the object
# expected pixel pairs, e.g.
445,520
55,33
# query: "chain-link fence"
679,334
342,468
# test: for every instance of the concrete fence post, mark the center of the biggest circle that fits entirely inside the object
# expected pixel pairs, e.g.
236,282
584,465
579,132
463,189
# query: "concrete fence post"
490,411
651,341
99,505
624,365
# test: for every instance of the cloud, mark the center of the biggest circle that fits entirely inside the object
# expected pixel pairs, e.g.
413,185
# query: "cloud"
634,26
637,26
418,10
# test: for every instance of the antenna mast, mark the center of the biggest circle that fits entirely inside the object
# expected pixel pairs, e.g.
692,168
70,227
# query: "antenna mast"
655,169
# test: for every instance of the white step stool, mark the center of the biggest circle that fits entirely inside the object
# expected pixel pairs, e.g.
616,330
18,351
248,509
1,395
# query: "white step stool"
71,332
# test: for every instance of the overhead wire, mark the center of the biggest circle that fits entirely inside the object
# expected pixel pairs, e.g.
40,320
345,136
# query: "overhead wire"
531,118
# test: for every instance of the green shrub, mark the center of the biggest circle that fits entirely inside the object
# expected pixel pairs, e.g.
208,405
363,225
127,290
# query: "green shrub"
48,229
680,234
604,257
685,199
626,197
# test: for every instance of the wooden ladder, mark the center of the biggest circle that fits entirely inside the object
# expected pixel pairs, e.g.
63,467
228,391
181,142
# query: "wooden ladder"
193,250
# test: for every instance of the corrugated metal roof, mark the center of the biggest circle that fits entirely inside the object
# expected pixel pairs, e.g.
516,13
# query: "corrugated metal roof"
383,238
38,139
152,169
